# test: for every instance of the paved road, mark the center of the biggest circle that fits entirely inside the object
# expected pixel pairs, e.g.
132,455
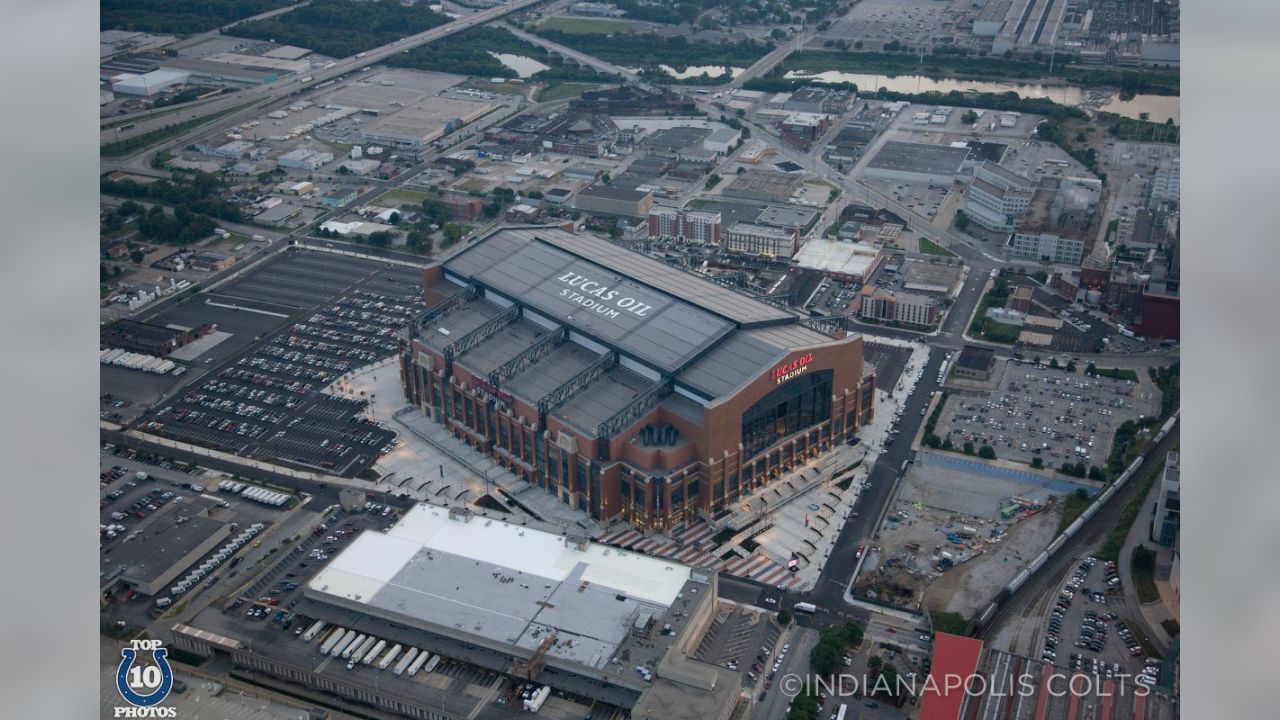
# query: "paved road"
280,89
568,52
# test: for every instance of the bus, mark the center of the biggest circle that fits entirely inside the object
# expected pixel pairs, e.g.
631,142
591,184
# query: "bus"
805,607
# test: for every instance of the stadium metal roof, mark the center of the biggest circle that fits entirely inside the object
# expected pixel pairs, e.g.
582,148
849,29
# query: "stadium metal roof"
641,307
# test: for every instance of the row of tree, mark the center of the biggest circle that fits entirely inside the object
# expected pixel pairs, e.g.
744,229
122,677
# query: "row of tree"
340,28
185,18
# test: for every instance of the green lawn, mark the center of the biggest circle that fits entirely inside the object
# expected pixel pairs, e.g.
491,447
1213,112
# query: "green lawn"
1072,505
562,90
928,247
396,198
1115,539
1143,566
949,622
1116,373
698,203
584,26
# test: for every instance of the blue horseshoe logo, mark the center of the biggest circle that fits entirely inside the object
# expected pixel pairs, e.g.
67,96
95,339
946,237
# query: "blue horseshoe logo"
122,678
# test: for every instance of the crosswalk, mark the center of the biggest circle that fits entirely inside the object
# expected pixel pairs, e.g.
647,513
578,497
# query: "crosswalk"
692,545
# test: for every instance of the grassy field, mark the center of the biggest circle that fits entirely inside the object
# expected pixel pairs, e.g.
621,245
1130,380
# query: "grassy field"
1115,539
584,26
928,247
949,622
1143,567
560,91
396,198
1072,505
1116,373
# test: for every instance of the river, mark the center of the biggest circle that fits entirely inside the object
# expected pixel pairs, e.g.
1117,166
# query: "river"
713,71
1159,107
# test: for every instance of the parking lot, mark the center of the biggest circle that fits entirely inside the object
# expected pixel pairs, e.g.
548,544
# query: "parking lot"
889,361
1084,632
267,403
744,640
1051,414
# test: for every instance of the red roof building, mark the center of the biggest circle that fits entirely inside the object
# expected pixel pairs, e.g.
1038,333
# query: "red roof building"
953,657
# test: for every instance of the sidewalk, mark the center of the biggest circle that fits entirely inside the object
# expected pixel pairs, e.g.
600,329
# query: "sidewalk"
1152,614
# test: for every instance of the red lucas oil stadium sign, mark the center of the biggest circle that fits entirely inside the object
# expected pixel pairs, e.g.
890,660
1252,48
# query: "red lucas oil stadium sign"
790,370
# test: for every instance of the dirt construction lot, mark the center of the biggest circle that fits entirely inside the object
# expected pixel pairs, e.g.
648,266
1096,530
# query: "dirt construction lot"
959,530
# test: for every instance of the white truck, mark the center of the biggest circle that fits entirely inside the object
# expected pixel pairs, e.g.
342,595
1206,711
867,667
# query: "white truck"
334,637
406,661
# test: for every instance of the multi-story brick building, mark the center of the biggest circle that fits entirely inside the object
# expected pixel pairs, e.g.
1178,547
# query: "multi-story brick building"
697,226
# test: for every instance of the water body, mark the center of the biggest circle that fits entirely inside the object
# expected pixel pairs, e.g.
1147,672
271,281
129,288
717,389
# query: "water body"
1160,107
696,70
523,65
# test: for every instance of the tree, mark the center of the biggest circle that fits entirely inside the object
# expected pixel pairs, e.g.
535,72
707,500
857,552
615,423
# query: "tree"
970,117
111,222
932,440
1037,462
137,256
962,221
604,178
1091,370
778,34
986,452
453,232
1096,473
968,448
394,218
382,238
784,617
1071,366
1053,363
857,45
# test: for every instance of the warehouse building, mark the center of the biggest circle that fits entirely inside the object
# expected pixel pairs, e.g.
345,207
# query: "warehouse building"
598,623
304,159
764,186
843,261
917,163
975,363
148,84
205,72
177,536
624,387
418,125
149,338
613,200
761,240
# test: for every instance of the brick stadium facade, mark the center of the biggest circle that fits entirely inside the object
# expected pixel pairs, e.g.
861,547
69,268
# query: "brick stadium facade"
622,386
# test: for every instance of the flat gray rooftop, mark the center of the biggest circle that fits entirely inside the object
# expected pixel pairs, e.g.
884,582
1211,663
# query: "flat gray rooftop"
599,301
501,347
550,373
164,541
456,323
919,157
601,399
